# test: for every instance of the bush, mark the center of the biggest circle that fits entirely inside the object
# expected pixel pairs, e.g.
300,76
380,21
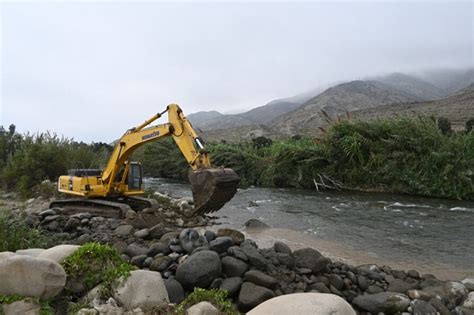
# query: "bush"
216,297
15,234
94,264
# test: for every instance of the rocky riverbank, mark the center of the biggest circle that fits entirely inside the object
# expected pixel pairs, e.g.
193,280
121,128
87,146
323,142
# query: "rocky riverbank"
174,255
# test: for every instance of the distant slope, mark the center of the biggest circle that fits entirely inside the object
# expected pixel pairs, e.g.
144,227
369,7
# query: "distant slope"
266,113
200,118
414,86
337,100
450,81
238,134
458,108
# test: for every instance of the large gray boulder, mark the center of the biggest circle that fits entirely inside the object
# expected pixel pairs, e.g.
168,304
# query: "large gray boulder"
233,267
231,285
304,303
175,291
189,239
252,295
199,269
385,302
33,252
30,276
202,308
58,253
311,259
259,278
22,307
143,289
254,257
469,283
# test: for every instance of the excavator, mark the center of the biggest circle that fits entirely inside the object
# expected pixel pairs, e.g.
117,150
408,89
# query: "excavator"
116,189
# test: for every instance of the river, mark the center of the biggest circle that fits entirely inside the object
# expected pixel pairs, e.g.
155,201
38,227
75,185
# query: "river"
406,232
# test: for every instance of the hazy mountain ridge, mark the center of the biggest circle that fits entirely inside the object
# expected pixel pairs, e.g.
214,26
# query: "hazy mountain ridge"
301,114
457,108
345,97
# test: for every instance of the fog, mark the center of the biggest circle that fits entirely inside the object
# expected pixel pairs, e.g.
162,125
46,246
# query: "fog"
91,70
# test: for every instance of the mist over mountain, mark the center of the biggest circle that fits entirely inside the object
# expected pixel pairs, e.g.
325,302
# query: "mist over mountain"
431,92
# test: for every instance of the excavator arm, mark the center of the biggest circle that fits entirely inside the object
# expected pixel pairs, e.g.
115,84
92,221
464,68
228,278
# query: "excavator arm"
211,187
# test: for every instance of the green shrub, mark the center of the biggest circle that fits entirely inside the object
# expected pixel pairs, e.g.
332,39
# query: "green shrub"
15,234
216,297
94,264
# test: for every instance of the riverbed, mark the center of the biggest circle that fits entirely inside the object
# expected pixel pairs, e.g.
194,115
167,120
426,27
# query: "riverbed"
406,232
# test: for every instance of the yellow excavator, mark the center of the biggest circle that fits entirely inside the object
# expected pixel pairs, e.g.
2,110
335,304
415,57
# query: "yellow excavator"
118,185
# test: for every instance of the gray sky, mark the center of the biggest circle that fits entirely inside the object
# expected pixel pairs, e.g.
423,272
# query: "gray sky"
90,70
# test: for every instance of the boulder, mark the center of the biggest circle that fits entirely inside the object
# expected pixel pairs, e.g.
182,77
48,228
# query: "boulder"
310,258
134,249
237,252
23,307
202,308
237,236
468,283
304,303
144,289
252,295
455,292
233,267
30,276
58,253
33,252
221,244
419,295
143,233
256,224
253,255
189,239
231,285
210,235
161,263
157,231
422,307
259,278
385,302
285,259
124,230
199,269
469,302
157,248
281,247
175,291
400,286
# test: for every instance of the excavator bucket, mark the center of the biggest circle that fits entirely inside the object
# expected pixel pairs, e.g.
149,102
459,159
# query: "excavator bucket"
212,188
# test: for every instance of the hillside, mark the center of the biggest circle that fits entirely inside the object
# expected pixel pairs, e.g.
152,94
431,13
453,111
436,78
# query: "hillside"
458,108
450,80
354,95
412,85
238,134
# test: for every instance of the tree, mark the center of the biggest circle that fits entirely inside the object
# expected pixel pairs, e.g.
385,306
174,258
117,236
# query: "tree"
444,125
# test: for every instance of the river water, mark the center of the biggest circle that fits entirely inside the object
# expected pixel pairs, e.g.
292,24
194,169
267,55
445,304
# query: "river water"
430,235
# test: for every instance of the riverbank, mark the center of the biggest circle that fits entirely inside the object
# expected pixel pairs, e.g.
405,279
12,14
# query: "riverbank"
179,250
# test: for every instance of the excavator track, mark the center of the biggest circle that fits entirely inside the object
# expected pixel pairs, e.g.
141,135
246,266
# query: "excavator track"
98,207
212,188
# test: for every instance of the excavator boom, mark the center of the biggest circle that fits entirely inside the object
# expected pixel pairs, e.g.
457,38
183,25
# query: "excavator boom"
122,179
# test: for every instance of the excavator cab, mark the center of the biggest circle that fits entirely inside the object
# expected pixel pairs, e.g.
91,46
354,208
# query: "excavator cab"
135,176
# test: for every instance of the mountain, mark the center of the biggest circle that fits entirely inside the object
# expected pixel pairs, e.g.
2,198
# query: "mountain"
449,80
238,134
457,108
412,85
266,113
200,118
345,97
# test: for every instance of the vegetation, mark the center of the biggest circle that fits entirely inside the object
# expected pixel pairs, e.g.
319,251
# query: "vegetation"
27,160
16,234
45,307
94,264
216,297
419,155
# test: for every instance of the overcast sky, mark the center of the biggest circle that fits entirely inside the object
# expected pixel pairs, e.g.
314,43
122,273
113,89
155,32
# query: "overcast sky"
91,70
